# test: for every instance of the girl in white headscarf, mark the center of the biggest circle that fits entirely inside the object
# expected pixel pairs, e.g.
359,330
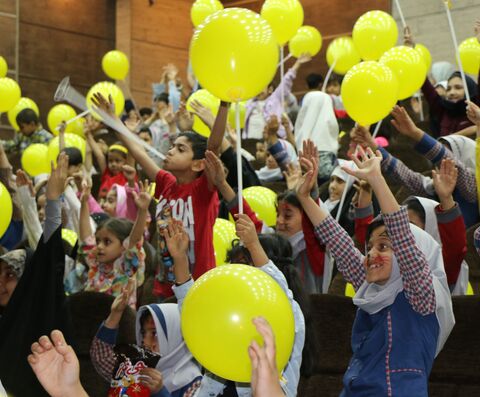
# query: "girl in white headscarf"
404,306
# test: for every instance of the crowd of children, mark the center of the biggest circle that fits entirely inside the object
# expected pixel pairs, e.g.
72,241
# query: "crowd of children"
142,230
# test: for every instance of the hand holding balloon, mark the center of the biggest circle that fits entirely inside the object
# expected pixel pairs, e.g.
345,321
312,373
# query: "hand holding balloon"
248,235
304,58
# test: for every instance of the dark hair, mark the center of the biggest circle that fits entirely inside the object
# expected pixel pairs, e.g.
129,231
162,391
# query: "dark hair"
375,224
314,80
145,112
471,84
27,116
198,142
74,155
279,250
413,204
290,197
120,227
144,317
163,97
146,129
334,78
123,154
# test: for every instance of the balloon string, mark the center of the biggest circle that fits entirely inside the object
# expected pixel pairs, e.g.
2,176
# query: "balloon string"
345,190
400,12
78,116
285,60
282,71
455,44
239,159
420,101
377,129
329,74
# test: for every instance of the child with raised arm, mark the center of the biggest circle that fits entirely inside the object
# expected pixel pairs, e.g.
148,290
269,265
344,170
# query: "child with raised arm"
114,253
404,311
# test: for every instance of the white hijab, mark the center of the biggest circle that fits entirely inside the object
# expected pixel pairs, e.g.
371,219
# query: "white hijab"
442,71
266,174
463,149
372,297
176,364
431,227
316,121
349,180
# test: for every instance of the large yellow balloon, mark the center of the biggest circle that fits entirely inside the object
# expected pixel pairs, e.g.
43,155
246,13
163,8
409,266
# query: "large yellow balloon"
107,88
207,100
374,33
221,304
409,67
369,92
202,9
263,202
35,159
469,51
426,56
115,64
307,40
223,235
60,113
343,53
23,103
234,54
6,206
71,140
78,127
284,16
3,67
232,114
10,94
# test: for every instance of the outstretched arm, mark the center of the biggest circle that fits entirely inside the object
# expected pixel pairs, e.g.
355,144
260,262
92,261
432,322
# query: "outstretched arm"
142,200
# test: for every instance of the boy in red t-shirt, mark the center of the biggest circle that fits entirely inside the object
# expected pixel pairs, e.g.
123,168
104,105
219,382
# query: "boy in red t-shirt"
184,192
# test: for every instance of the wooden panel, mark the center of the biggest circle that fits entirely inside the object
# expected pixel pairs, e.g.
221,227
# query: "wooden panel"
85,17
148,60
7,40
7,6
165,23
52,54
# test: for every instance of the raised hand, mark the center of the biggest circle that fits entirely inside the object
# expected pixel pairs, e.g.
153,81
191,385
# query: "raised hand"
176,238
214,169
129,172
308,180
58,177
169,115
271,130
408,37
404,124
246,232
444,182
183,118
24,180
303,58
473,113
368,165
265,378
56,366
362,136
143,198
292,175
86,191
204,113
121,301
100,102
309,151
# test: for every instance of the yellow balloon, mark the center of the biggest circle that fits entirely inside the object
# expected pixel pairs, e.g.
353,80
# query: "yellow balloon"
284,16
349,290
202,9
374,33
409,67
60,113
107,88
222,304
369,92
223,235
3,67
426,56
6,206
35,159
77,127
343,53
307,40
207,100
263,202
71,140
234,54
470,289
115,64
10,94
23,103
243,114
469,51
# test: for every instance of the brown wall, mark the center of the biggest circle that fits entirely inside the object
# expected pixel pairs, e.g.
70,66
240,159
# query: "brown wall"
59,38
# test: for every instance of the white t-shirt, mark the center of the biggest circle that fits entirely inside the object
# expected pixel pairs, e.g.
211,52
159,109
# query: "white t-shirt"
256,123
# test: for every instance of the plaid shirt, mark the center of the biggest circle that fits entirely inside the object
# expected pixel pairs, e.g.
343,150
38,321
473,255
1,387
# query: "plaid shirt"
102,353
415,271
20,142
